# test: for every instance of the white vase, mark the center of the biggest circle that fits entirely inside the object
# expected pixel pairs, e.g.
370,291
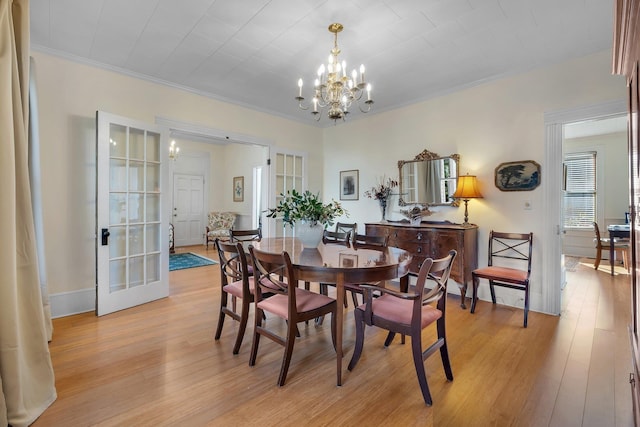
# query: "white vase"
310,235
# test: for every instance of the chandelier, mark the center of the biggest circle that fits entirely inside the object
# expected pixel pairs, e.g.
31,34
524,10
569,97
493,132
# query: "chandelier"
333,89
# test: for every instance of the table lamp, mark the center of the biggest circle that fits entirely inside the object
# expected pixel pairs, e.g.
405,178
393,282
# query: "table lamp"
467,188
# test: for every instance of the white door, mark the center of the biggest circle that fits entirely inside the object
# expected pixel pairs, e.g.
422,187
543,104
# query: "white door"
132,225
188,192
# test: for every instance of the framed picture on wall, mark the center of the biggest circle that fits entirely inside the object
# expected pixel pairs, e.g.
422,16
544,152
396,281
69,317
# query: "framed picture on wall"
238,188
523,175
349,185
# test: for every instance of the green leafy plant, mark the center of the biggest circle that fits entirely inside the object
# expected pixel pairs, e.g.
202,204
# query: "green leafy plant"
306,206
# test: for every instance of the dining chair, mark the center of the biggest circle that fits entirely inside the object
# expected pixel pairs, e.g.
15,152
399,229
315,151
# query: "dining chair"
274,274
509,266
365,241
621,246
245,237
343,227
339,237
333,237
252,235
236,282
409,314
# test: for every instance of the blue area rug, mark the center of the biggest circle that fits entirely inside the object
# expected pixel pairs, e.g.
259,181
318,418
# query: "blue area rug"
187,260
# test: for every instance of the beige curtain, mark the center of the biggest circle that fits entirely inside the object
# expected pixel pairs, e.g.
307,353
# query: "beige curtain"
26,375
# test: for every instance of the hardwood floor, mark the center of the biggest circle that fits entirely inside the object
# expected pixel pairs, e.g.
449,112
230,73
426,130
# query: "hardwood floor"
157,364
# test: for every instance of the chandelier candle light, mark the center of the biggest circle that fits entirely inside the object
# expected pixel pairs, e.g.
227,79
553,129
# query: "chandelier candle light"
173,151
334,89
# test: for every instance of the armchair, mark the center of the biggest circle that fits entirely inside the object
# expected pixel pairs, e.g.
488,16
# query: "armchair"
218,226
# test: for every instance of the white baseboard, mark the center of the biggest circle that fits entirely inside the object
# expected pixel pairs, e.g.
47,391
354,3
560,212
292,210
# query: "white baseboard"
74,302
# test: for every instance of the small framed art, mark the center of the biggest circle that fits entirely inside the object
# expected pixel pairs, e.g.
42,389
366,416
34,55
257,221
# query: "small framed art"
349,185
522,175
238,188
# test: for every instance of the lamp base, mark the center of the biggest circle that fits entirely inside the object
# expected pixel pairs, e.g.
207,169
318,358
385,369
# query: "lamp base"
466,212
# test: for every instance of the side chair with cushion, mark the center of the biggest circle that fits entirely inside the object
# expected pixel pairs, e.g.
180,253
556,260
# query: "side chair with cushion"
218,226
236,282
274,274
409,314
509,266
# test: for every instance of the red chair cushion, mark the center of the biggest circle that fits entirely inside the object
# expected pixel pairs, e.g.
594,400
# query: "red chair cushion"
505,274
305,301
400,310
235,288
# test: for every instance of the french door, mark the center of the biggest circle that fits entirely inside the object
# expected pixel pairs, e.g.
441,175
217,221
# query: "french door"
132,225
288,174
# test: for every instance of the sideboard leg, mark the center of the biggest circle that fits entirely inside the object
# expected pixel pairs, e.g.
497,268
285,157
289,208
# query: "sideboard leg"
463,294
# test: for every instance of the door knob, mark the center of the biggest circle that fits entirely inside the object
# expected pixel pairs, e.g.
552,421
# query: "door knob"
105,236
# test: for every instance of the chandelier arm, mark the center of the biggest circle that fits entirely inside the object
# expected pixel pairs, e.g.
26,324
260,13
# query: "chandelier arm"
368,102
300,99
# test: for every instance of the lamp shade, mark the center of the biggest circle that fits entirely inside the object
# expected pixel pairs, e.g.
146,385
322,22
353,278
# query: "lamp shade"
467,188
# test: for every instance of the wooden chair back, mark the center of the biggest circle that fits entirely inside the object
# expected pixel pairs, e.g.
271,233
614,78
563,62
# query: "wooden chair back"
253,235
512,246
342,238
369,241
343,227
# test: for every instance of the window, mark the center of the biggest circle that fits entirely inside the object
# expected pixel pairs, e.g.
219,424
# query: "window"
580,189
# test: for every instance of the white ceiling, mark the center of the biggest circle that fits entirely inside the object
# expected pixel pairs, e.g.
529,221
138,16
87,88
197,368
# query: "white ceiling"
252,52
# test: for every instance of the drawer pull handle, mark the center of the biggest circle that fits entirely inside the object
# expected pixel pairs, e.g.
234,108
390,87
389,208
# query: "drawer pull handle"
419,249
419,236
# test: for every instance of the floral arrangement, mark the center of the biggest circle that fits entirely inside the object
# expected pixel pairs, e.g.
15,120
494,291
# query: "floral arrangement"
306,206
382,191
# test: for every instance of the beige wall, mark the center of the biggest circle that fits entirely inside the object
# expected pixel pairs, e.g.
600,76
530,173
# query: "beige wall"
69,95
496,122
488,124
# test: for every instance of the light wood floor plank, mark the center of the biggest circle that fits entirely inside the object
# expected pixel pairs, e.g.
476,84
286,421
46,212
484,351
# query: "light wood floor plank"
158,365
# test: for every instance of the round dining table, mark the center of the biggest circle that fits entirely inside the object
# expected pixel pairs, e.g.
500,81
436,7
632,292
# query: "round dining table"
339,264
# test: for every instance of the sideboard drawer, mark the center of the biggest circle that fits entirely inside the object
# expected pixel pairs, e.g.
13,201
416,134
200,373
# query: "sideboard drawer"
434,240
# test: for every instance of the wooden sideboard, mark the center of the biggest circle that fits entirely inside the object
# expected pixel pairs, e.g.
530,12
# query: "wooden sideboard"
435,240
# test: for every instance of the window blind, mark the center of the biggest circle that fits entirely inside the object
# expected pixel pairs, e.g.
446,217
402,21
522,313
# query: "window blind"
580,190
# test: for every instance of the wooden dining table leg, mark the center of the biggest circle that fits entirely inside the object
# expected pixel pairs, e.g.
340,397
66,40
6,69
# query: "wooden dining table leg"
612,251
339,321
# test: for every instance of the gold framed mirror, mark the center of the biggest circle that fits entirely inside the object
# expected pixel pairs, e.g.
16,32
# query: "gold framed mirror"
428,180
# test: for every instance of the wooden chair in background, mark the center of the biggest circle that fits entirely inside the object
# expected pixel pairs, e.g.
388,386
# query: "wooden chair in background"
364,241
253,235
409,314
621,247
506,249
343,227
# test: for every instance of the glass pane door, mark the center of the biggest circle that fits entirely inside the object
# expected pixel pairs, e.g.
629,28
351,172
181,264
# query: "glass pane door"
130,258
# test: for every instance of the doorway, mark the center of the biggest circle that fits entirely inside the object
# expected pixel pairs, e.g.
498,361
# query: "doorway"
595,151
552,272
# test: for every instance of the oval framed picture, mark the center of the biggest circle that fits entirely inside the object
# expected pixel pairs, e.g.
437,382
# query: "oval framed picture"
523,175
